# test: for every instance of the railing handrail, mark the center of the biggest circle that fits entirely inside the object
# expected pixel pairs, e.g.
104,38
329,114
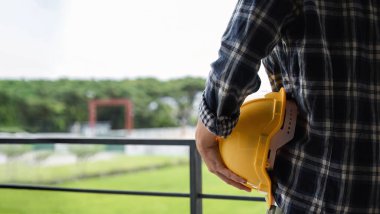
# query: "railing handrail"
96,140
195,162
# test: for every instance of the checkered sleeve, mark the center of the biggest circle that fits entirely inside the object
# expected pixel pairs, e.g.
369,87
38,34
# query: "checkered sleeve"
252,33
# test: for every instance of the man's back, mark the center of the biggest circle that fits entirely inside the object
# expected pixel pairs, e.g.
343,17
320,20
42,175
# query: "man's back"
326,54
329,62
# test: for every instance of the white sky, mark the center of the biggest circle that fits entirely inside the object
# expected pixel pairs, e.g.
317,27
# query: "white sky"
110,38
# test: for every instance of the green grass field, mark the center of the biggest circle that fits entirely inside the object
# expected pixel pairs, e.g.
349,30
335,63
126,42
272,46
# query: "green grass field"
171,179
21,172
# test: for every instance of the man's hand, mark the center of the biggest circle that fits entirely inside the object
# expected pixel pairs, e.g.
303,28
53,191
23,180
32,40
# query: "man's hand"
208,148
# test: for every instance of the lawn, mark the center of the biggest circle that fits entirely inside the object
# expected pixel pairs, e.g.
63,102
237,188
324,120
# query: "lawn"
170,179
23,172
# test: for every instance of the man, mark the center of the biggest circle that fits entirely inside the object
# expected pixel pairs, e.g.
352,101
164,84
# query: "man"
326,54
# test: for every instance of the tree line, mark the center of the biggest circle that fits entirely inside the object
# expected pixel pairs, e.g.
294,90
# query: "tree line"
55,105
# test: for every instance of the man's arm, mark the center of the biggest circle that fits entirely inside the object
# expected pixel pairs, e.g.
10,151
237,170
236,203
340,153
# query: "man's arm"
253,31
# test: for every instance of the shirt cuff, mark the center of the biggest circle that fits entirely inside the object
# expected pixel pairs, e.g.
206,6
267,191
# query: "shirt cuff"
220,126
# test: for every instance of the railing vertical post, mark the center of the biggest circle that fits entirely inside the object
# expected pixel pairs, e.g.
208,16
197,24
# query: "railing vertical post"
195,181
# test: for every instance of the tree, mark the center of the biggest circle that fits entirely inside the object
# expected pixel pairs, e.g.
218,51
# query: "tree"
54,105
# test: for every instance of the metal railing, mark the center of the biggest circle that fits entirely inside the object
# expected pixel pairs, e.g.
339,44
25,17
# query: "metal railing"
195,194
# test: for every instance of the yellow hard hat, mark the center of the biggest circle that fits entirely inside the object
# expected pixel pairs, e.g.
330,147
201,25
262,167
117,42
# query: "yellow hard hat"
264,125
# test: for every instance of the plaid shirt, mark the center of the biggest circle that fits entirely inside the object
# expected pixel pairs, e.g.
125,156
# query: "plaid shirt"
326,54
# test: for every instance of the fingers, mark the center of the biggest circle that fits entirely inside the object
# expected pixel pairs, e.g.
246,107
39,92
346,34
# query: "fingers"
233,183
230,178
208,148
229,174
216,166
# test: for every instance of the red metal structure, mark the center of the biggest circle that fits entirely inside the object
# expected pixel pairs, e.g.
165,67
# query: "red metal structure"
128,109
